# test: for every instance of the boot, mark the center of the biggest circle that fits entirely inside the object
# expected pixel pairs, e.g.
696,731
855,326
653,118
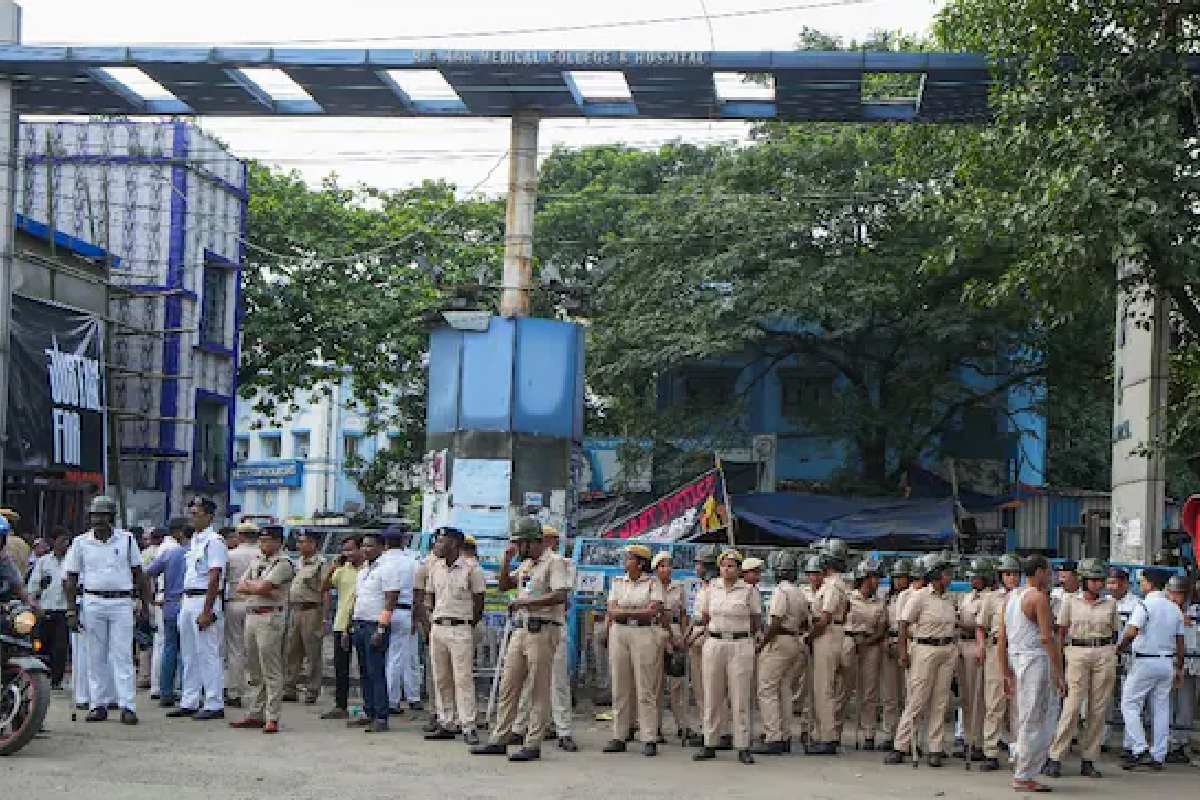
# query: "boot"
471,738
441,735
614,746
704,754
989,765
1088,770
489,750
976,754
868,745
935,759
769,749
567,743
725,742
960,748
1052,768
650,749
525,754
894,757
692,739
745,757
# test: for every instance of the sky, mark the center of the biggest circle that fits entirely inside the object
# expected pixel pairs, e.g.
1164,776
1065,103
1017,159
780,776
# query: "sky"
392,153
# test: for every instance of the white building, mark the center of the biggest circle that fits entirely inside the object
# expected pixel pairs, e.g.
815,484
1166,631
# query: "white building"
296,469
169,204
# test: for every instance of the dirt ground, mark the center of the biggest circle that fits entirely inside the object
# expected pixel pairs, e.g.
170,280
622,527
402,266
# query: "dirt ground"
185,760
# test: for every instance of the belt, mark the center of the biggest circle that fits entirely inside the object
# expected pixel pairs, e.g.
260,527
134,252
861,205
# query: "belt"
936,642
893,632
520,623
1153,655
305,606
52,611
451,621
108,595
857,633
263,609
962,637
786,632
404,606
636,623
730,636
1089,642
196,593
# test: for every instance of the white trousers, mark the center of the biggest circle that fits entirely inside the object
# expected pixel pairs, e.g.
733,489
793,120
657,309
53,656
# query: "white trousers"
81,670
156,651
403,671
1036,715
1150,678
200,655
108,626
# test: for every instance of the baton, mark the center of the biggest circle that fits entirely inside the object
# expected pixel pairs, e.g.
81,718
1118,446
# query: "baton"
499,667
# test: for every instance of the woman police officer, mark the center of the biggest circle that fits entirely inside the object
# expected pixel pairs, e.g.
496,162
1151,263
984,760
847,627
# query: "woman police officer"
635,650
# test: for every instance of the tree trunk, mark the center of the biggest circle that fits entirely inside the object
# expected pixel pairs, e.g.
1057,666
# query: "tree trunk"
872,452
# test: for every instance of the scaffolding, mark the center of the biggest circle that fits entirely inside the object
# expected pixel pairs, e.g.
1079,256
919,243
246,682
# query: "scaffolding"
168,203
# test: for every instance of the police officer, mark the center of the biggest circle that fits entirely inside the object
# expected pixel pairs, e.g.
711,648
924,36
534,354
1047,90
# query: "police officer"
732,615
672,636
306,621
930,618
1117,587
972,649
1155,634
862,650
455,587
780,656
826,639
997,712
107,562
1067,586
1181,590
1088,627
814,572
891,677
240,559
542,586
634,650
706,570
264,586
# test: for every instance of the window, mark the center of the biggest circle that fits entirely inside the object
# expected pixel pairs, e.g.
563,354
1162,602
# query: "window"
802,394
707,388
1008,518
350,447
300,445
272,446
241,449
212,441
213,305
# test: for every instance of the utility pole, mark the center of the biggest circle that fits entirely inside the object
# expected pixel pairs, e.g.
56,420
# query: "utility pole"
10,33
518,219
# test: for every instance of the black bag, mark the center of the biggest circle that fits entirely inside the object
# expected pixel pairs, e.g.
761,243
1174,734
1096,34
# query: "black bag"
675,664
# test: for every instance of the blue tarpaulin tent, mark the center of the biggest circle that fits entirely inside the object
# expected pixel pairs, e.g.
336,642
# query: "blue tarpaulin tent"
807,517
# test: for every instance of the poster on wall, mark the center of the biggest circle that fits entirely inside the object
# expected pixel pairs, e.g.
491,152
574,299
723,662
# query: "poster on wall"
56,391
692,509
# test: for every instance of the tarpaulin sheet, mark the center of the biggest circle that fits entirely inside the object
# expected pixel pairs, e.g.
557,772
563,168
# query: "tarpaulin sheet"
806,517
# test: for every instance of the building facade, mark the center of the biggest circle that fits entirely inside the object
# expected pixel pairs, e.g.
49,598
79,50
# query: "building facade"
303,468
169,204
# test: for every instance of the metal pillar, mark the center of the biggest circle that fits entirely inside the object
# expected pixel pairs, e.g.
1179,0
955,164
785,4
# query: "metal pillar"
518,220
10,33
1141,367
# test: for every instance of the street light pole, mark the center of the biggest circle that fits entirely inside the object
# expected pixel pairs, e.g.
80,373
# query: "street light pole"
518,220
10,33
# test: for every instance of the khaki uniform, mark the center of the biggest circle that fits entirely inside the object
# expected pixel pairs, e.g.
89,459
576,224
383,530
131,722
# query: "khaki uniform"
306,628
453,588
892,679
420,579
696,663
997,711
803,699
1091,672
264,631
530,654
673,599
827,658
970,671
932,623
635,658
780,662
729,658
240,559
862,656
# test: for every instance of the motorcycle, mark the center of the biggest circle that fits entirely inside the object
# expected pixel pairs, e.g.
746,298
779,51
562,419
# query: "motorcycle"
24,679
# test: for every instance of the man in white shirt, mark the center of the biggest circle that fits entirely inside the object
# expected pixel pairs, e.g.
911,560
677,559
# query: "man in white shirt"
403,676
371,623
107,562
45,586
1155,632
201,619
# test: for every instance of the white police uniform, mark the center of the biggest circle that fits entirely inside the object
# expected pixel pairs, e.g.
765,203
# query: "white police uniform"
200,650
105,571
1158,621
1183,699
403,673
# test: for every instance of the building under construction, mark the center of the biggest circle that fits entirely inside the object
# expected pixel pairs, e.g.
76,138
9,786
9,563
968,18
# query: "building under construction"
163,207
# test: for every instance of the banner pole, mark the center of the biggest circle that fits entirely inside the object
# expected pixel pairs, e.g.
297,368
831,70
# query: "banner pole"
728,506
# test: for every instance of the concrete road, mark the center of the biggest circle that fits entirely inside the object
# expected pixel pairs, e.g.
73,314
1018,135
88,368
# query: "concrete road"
163,759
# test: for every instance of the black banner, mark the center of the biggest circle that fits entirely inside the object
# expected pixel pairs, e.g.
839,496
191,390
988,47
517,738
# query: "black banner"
56,391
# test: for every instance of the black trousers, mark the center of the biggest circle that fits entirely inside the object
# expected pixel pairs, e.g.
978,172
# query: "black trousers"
341,670
56,638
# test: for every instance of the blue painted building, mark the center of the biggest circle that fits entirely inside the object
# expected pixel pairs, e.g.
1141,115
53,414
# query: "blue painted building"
169,202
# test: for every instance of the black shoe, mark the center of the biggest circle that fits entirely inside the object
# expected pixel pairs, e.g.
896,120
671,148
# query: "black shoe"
884,744
1144,760
495,749
989,765
202,716
614,746
234,703
114,707
431,726
1088,770
632,735
976,754
769,749
704,754
291,697
525,754
97,714
550,735
821,749
894,757
725,742
166,702
515,739
181,712
935,759
692,739
441,735
471,738
1052,768
869,745
81,706
960,748
745,757
416,706
153,695
128,717
377,726
568,744
1178,756
650,749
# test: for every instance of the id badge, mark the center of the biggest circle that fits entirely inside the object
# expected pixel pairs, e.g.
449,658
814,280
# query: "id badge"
526,586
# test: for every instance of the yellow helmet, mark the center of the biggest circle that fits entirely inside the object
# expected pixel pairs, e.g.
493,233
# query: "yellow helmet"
639,550
730,553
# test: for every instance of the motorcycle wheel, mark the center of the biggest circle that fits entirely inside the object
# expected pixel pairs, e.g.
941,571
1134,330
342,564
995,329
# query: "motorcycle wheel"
24,700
